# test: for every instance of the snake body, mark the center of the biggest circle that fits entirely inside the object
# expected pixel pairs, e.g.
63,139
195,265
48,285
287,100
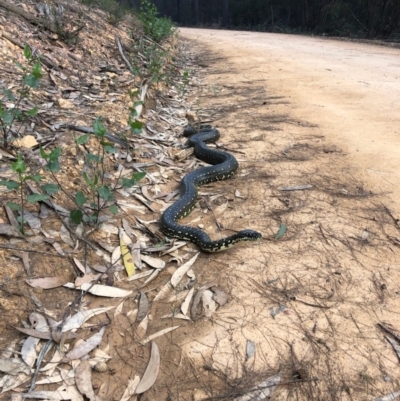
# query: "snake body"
223,166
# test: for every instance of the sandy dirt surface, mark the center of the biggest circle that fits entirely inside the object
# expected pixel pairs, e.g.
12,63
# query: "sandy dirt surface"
302,111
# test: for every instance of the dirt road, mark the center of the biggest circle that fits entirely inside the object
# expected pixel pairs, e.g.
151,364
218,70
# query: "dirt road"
350,90
302,111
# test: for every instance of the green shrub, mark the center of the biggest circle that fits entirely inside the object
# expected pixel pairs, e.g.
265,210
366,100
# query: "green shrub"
157,28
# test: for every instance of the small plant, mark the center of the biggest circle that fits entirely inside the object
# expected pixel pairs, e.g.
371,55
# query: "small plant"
157,28
12,113
184,83
19,167
134,124
154,64
99,194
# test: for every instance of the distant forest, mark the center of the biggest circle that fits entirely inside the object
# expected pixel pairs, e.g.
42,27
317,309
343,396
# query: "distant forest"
361,18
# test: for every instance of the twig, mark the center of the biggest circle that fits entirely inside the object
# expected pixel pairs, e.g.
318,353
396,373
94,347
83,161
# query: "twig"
209,206
384,328
121,52
395,221
89,130
32,250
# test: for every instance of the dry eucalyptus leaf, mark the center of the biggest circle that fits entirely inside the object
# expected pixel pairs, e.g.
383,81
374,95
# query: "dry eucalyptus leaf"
220,296
76,321
13,366
163,293
87,278
389,397
181,271
64,392
65,376
79,265
66,236
135,251
109,228
12,382
151,372
209,305
141,330
158,334
83,380
137,276
143,307
176,316
156,263
47,282
197,298
84,348
43,335
130,389
101,290
10,231
152,277
52,364
186,302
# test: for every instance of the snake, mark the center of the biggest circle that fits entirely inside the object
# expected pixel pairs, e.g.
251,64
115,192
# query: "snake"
222,166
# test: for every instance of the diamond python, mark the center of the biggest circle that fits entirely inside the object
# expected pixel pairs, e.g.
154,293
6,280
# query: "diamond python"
223,166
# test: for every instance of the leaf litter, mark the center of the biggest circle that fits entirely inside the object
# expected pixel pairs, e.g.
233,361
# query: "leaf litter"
132,242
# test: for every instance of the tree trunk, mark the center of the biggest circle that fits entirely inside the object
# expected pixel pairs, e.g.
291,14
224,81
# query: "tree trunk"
196,12
225,13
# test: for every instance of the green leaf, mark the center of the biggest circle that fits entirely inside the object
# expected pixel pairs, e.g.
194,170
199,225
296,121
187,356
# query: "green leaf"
9,94
32,112
82,139
50,188
98,128
31,81
36,177
110,149
19,165
80,198
136,126
281,232
53,166
20,220
28,52
55,154
13,206
114,209
37,70
135,178
76,216
43,154
10,184
105,192
7,117
37,198
91,218
87,179
90,157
